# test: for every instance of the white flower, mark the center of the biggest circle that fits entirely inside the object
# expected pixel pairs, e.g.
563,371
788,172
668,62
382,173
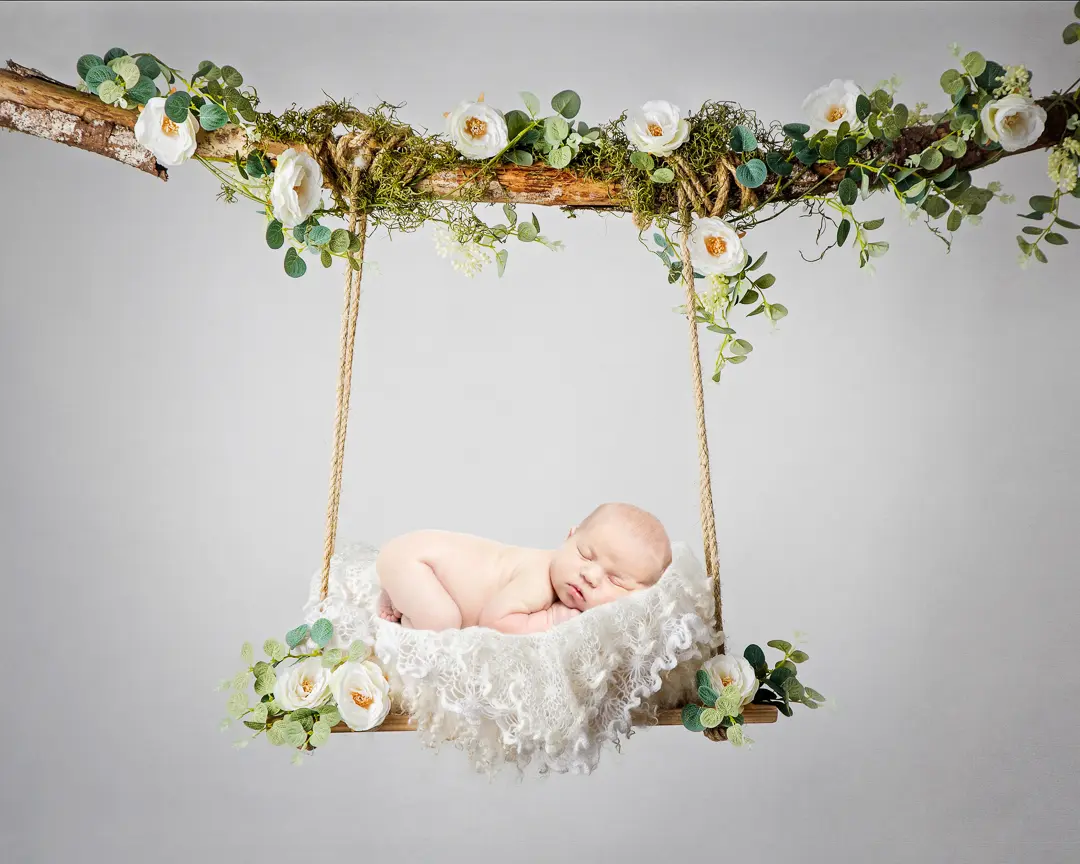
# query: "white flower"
829,106
303,685
715,247
1014,121
171,143
468,258
477,130
362,694
657,127
297,187
724,669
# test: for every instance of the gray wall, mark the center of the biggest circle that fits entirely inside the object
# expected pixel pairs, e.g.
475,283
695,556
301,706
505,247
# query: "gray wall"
895,469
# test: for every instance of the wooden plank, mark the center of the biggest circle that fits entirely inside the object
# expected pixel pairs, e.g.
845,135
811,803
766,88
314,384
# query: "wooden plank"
667,717
37,105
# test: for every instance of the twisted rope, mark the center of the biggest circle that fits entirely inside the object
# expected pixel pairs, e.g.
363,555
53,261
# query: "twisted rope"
705,499
354,153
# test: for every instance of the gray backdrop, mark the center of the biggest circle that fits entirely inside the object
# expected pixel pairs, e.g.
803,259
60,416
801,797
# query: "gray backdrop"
895,469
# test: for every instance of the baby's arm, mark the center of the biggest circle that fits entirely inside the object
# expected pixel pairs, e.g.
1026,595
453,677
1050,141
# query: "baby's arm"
524,607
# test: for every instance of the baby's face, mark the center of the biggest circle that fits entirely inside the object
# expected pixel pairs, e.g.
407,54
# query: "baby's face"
603,562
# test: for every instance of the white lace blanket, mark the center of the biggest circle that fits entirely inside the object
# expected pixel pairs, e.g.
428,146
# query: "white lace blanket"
554,698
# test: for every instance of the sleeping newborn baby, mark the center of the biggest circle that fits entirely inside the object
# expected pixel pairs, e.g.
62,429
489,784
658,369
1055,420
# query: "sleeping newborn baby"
439,580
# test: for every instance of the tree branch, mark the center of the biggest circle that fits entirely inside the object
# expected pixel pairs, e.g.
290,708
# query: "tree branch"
33,103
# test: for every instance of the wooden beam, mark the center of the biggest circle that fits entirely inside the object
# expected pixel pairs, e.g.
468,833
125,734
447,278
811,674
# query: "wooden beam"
667,717
33,103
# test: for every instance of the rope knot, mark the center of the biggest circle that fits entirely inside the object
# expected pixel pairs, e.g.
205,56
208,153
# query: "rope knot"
712,201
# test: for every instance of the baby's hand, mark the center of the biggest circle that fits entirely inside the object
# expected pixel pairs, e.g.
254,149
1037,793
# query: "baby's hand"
560,614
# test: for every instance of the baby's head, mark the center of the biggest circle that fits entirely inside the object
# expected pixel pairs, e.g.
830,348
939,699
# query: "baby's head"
618,548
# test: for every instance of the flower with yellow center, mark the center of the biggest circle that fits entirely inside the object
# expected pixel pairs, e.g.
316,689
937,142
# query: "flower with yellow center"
297,188
362,693
171,143
716,248
477,130
829,106
657,127
725,669
303,685
1014,121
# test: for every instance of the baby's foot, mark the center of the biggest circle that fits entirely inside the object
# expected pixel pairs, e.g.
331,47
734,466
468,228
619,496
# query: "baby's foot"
386,609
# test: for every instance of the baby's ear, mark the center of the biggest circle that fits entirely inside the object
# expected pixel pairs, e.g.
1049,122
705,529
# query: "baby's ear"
571,532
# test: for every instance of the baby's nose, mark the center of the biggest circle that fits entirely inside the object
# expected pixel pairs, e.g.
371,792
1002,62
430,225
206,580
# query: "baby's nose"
589,575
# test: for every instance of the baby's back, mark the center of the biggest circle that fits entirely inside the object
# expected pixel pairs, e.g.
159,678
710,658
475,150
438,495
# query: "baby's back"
471,569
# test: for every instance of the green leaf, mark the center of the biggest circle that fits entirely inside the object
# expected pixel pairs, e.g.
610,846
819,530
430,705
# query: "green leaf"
98,75
500,261
778,311
177,105
326,259
560,157
274,650
207,70
739,359
567,103
295,266
793,690
247,652
880,100
237,705
330,714
265,681
842,231
642,160
293,732
231,77
1065,223
935,206
757,262
795,130
1040,256
702,678
807,155
143,92
148,66
848,191
974,63
359,651
212,116
1055,239
955,147
956,218
730,700
276,733
275,239
813,694
1071,34
931,159
320,733
662,175
799,656
258,714
754,656
752,174
339,241
527,232
710,718
113,53
519,157
778,164
322,631
845,150
876,250
765,281
691,718
749,297
555,130
109,92
740,346
332,657
707,695
319,235
779,645
532,104
743,140
951,81
128,70
716,328
86,63
862,107
1041,203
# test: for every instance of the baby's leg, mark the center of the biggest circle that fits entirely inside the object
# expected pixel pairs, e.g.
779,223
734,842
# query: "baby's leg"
417,596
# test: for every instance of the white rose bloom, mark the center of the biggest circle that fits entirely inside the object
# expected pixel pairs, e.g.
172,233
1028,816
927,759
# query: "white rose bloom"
1014,121
477,130
657,127
829,106
297,187
715,248
303,685
362,694
171,143
724,669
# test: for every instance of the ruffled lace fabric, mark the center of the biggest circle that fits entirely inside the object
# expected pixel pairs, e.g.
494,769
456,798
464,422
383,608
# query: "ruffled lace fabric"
552,699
